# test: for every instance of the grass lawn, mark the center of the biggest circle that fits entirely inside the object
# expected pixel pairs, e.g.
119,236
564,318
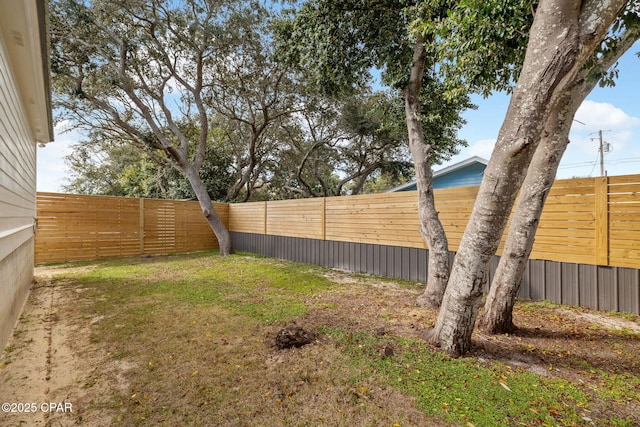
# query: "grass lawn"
189,340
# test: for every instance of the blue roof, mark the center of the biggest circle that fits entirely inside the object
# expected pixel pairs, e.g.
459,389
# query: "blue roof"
466,173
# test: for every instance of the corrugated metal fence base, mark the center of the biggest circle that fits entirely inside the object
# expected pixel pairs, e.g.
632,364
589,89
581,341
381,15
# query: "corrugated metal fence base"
597,287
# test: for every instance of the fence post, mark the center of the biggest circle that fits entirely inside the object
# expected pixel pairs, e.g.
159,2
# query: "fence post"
323,219
602,220
141,232
264,222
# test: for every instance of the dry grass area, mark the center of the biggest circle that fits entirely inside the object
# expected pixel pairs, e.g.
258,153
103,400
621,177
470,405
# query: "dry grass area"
181,341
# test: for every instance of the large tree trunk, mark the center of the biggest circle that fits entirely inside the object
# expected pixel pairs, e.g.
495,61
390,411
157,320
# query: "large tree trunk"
562,37
498,309
497,316
430,225
214,220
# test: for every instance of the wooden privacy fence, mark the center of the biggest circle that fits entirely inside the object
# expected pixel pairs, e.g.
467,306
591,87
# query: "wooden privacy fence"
587,248
592,221
75,227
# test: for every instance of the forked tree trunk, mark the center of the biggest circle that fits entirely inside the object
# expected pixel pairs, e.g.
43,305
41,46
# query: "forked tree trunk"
430,225
562,38
498,309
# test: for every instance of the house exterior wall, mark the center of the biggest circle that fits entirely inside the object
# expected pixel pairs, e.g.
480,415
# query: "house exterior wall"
17,198
469,176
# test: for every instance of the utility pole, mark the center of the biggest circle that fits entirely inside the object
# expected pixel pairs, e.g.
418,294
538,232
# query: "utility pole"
601,153
604,147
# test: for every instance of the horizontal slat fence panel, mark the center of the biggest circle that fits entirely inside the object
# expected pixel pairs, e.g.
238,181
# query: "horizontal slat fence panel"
384,219
73,227
248,217
296,218
567,225
587,221
624,220
454,208
79,227
172,226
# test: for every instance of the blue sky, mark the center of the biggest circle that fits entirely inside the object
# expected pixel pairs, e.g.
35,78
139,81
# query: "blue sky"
614,110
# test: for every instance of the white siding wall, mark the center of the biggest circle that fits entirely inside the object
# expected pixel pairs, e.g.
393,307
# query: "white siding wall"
17,199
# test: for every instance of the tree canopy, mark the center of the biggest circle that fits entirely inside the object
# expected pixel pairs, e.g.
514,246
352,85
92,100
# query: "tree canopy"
137,70
338,44
335,146
195,85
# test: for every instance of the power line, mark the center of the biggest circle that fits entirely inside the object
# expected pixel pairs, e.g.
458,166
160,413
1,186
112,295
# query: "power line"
627,160
595,162
594,165
575,165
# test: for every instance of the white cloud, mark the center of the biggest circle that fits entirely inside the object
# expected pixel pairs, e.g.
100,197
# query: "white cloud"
619,130
603,116
482,148
62,127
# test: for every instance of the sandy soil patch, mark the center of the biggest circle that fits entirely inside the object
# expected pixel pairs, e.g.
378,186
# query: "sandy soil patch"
49,369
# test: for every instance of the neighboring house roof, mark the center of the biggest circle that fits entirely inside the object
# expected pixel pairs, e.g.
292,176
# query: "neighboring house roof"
468,172
25,35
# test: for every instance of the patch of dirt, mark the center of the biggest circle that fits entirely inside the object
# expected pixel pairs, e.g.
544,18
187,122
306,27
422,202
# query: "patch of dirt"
370,304
49,369
48,272
304,379
603,320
